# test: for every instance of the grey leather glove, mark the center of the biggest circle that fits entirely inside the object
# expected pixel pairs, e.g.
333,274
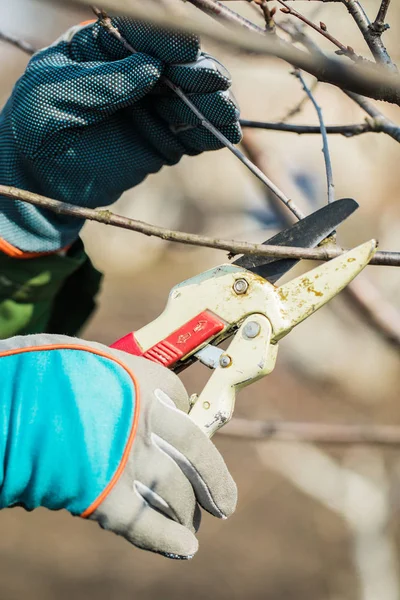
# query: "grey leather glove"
172,469
114,444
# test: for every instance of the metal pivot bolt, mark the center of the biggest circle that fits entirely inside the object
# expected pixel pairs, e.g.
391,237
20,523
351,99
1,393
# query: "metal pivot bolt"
240,286
225,360
251,329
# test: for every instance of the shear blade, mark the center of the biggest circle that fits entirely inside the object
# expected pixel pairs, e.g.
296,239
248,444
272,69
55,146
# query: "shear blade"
306,233
304,295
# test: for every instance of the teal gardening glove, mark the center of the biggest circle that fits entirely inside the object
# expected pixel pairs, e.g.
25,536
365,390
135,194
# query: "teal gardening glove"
114,444
88,120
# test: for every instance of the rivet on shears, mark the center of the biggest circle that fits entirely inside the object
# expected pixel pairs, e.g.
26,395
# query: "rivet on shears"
251,329
225,360
240,286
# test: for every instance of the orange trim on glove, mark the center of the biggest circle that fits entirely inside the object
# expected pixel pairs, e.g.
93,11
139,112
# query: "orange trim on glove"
90,22
15,252
133,431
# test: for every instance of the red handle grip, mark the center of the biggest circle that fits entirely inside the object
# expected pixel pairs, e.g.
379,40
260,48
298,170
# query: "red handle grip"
182,341
128,344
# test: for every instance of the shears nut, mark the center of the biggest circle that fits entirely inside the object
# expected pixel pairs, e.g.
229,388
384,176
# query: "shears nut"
240,286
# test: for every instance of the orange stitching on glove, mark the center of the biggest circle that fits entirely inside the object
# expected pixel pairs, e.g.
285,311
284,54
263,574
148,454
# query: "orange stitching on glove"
14,252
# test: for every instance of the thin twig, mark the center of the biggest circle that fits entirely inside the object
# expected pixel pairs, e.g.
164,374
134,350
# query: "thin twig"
226,15
378,121
18,43
345,50
379,25
345,130
234,247
373,39
106,22
325,145
322,433
268,16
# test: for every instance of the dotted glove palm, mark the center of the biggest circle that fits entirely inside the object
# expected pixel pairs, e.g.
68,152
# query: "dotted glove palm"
88,120
114,443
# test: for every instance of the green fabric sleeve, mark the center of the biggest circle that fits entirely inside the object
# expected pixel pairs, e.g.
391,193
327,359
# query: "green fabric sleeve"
49,294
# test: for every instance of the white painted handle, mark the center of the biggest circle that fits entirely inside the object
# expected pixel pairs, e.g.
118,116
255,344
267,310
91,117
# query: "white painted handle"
249,357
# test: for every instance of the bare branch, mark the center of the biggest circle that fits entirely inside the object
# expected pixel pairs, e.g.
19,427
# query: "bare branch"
378,121
345,50
372,37
106,217
345,130
379,26
226,15
268,16
325,145
321,433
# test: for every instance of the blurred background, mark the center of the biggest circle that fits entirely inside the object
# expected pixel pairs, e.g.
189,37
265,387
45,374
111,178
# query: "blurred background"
313,522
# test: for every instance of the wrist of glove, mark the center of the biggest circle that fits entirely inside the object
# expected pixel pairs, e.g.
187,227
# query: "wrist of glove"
114,444
88,120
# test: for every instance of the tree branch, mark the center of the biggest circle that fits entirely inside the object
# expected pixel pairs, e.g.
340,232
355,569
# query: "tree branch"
325,145
379,26
268,16
107,217
345,130
322,433
345,50
372,37
378,120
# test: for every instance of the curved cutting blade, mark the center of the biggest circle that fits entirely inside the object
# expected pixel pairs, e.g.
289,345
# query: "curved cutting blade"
306,233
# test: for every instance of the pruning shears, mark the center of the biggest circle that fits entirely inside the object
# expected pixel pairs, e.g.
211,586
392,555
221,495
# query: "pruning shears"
240,300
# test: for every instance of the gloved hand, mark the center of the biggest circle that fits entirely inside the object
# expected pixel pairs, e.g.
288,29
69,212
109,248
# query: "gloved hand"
104,434
88,120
